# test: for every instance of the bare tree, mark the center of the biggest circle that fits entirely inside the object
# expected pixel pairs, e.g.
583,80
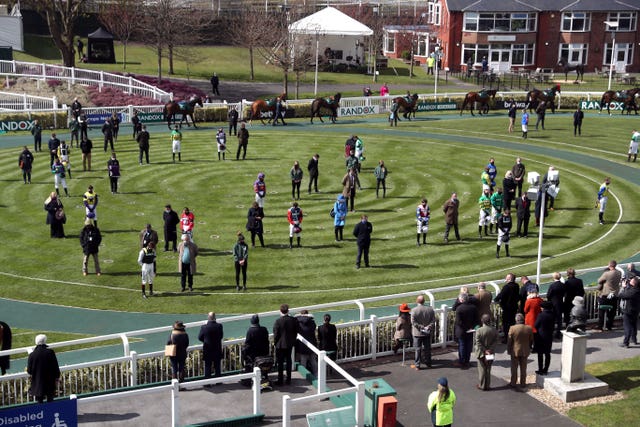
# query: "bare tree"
121,18
275,44
374,19
61,16
189,37
247,29
156,26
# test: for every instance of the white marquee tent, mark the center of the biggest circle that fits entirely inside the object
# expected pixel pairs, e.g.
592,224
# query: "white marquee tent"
335,33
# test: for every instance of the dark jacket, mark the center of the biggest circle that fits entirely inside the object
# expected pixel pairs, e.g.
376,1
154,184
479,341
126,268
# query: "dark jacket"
243,136
327,337
254,220
44,370
630,297
143,139
285,330
86,146
312,167
508,297
25,161
523,207
90,239
5,337
171,221
466,318
51,209
306,328
544,326
211,336
256,343
362,231
573,288
555,294
180,338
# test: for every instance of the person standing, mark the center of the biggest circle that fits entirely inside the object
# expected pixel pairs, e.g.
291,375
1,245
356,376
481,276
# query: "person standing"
423,321
36,131
485,64
180,339
519,347
187,222
74,127
492,170
55,215
431,61
241,261
147,260
380,173
528,287
314,172
113,166
136,124
232,118
171,220
84,127
285,331
63,154
540,112
176,144
256,342
211,335
608,287
603,197
143,144
509,186
523,213
393,113
328,337
578,116
555,295
525,123
467,319
221,140
80,49
485,346
294,216
254,224
508,298
215,82
349,187
57,169
504,232
633,146
86,145
279,113
296,179
573,288
484,202
148,235
497,202
543,337
423,214
384,90
512,112
90,202
339,216
532,308
114,121
187,253
107,132
76,107
483,300
440,404
90,239
260,188
518,174
6,337
307,328
53,145
630,304
450,209
403,331
362,231
25,162
43,368
243,141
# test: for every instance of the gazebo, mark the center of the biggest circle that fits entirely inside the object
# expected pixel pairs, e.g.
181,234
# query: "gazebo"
100,47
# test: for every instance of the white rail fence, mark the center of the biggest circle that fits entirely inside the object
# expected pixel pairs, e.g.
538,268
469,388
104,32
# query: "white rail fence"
72,75
10,101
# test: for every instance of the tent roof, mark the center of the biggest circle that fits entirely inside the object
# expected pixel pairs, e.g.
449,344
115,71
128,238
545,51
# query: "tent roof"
330,21
100,33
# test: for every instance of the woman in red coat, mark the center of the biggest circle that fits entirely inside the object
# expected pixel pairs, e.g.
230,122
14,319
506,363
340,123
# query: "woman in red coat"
532,308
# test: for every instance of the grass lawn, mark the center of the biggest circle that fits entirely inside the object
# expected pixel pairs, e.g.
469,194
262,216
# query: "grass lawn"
429,157
622,376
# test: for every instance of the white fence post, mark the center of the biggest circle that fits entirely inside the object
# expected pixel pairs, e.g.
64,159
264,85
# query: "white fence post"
175,416
133,369
443,325
374,337
24,101
257,380
286,409
322,372
360,404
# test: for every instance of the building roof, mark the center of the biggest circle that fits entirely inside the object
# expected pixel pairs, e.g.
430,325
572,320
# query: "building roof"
542,5
330,21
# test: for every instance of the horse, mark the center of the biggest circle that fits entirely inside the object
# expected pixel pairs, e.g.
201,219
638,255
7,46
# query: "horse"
408,105
482,98
331,103
627,97
183,107
260,106
566,67
548,96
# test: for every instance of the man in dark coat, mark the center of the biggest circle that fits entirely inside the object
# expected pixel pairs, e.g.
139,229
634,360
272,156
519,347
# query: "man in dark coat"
215,82
5,344
307,328
44,370
523,212
171,221
555,295
467,319
143,144
450,209
543,338
573,288
362,231
285,331
508,298
211,336
256,344
90,239
232,117
328,337
312,167
630,305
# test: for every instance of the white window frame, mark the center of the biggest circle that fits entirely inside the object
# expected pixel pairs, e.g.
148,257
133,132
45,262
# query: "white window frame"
435,13
607,53
618,16
531,20
525,48
389,37
575,16
583,48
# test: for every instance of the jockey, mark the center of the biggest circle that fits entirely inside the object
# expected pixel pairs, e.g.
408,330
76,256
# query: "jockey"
359,150
260,188
423,214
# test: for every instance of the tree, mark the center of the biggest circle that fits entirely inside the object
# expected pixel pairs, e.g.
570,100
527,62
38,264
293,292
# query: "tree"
275,46
247,29
61,16
156,25
121,17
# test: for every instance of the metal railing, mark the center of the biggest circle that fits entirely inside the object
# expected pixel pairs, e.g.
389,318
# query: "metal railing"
24,102
72,75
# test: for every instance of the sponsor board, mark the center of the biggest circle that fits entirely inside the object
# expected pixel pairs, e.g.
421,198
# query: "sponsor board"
520,105
155,117
595,105
437,106
365,110
100,118
60,413
15,125
288,113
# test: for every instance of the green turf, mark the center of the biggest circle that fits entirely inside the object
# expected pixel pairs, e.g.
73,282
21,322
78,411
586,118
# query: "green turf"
622,376
426,158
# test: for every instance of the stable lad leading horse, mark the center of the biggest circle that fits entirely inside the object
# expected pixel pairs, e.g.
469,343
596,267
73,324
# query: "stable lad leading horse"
408,104
626,97
549,96
331,103
260,106
481,98
182,107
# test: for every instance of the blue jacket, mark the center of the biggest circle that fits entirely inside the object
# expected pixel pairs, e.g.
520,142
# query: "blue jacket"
340,209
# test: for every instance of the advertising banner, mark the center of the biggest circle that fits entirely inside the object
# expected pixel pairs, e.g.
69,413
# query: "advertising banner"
366,110
155,117
60,413
595,105
99,119
437,106
505,104
15,125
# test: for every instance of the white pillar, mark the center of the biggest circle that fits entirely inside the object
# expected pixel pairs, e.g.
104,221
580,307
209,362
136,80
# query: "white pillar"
574,355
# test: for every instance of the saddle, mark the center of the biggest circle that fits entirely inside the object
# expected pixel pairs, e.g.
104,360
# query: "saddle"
184,105
483,94
622,94
408,99
329,100
548,93
270,102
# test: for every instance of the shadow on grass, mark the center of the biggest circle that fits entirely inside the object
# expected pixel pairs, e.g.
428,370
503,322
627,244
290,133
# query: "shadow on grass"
212,252
622,380
561,226
115,231
137,192
395,266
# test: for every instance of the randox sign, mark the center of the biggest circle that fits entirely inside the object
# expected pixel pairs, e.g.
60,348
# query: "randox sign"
60,413
155,117
595,105
437,106
14,125
366,110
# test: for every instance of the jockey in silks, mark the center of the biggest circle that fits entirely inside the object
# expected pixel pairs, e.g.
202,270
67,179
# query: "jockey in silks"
484,202
423,214
496,208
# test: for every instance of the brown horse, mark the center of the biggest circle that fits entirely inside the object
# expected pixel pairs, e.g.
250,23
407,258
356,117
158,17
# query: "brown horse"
260,106
626,97
182,107
535,96
408,104
331,103
481,97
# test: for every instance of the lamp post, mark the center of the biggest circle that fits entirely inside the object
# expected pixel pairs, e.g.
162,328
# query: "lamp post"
612,25
436,55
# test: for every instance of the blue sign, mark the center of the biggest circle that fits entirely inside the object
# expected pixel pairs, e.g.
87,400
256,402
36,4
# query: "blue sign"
61,413
99,119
